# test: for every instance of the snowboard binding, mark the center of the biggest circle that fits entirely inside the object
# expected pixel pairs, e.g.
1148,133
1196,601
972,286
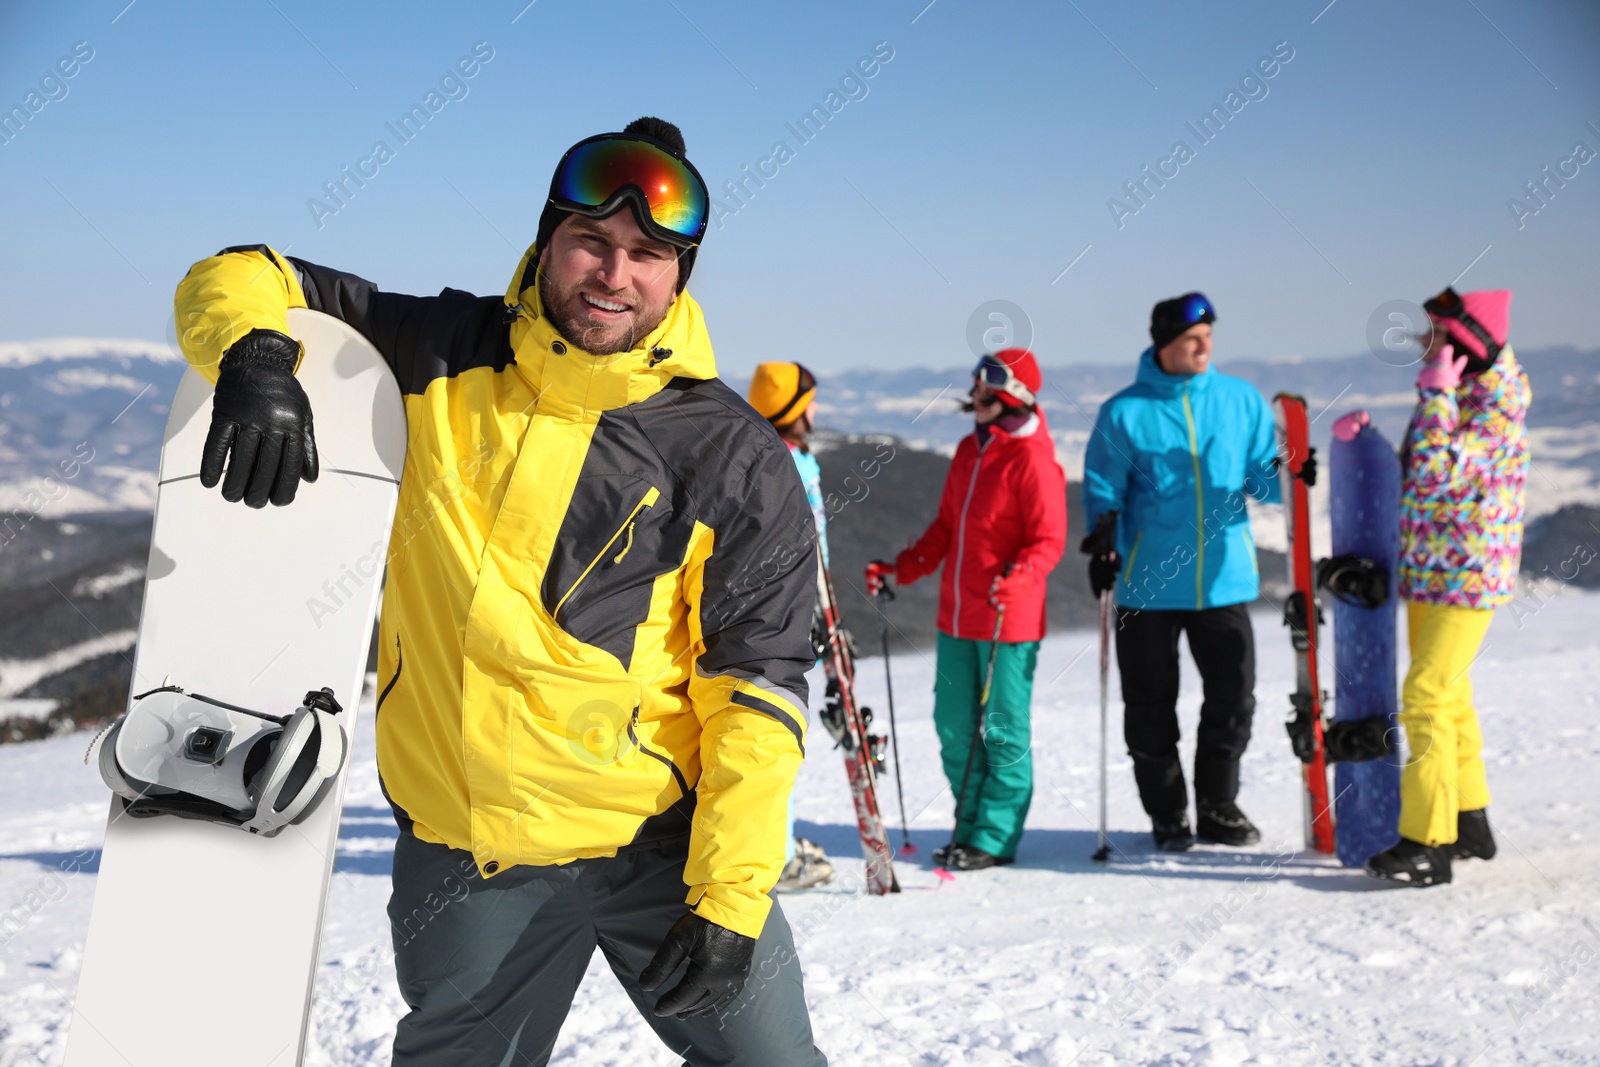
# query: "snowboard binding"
1355,580
184,754
1359,741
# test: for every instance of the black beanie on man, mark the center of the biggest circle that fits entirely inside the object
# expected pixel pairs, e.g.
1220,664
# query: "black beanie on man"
650,128
1166,322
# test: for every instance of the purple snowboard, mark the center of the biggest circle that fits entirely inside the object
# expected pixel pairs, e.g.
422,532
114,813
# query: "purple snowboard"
1365,498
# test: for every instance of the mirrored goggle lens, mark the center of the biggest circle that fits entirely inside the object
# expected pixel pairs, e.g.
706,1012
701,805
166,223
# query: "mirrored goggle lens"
595,172
1196,308
992,372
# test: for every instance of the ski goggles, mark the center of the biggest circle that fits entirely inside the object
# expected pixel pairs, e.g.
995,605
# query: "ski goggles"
1194,309
599,173
1448,305
805,386
999,377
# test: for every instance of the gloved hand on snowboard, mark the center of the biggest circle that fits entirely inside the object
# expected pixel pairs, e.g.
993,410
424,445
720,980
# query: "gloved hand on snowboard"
1442,374
1101,548
261,415
719,963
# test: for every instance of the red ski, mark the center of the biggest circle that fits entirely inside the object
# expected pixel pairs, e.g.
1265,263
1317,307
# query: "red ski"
1303,615
847,721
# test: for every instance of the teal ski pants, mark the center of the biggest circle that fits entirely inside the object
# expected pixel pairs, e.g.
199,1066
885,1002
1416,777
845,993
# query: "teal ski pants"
1000,786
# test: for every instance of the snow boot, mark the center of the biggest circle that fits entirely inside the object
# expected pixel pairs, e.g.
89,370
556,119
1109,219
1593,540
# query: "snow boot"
1222,823
1473,839
1412,863
967,858
808,868
1172,834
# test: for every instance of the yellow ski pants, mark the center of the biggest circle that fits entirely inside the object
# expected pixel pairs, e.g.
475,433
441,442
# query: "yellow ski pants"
1444,774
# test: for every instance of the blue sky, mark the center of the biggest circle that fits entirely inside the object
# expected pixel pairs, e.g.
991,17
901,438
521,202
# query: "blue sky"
975,165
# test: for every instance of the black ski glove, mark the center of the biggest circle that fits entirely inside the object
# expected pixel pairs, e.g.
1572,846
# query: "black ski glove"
1101,548
260,413
719,963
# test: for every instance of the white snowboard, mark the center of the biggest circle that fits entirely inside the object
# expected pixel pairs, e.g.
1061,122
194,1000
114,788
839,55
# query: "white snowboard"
202,947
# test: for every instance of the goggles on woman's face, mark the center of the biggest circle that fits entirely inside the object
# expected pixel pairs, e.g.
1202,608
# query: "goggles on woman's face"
1448,305
598,174
999,377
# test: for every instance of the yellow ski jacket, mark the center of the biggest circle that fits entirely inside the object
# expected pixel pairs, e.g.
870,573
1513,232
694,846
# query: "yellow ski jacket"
596,624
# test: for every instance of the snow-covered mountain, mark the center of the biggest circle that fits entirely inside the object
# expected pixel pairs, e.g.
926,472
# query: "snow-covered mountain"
80,425
919,406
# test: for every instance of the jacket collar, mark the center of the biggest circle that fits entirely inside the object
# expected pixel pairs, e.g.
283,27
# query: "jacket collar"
572,382
1153,377
1001,437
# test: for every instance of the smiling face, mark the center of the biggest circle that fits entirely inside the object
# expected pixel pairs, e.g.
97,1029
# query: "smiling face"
606,284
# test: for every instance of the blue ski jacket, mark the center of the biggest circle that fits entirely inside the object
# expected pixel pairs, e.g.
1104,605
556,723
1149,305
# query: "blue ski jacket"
1175,456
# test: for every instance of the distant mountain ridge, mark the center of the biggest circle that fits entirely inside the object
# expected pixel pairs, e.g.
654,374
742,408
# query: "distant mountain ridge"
81,422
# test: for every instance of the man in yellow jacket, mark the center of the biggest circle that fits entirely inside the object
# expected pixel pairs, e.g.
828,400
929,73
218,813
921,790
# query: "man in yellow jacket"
596,623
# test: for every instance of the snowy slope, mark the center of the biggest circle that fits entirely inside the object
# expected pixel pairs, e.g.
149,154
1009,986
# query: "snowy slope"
1259,956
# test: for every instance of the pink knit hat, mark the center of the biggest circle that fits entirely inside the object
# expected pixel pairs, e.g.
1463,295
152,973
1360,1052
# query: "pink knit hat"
1492,309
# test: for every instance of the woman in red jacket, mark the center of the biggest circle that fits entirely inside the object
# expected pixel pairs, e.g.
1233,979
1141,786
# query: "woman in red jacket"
1001,528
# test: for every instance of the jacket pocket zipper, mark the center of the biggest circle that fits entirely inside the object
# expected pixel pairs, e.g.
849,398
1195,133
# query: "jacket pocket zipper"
677,775
649,501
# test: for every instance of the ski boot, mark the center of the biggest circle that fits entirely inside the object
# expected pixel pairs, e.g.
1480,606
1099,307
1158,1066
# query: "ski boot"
808,868
1473,839
1412,863
967,858
1222,823
1172,834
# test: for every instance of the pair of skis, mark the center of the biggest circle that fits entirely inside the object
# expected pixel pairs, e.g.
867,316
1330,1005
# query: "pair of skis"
848,722
1303,615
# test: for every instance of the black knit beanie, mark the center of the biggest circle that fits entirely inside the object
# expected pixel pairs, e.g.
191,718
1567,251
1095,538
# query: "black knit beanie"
1168,322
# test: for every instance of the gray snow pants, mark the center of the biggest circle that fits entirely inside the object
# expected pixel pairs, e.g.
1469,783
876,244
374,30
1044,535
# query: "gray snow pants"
489,968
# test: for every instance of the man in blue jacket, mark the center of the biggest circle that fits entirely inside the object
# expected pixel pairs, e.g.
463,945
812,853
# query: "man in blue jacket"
1168,469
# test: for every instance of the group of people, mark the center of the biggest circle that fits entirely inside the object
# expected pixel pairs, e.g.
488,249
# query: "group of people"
1168,468
620,547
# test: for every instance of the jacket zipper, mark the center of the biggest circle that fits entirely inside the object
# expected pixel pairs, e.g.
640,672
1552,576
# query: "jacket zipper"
1199,508
633,735
649,501
961,531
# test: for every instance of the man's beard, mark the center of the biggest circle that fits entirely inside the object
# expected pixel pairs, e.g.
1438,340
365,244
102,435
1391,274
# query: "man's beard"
568,312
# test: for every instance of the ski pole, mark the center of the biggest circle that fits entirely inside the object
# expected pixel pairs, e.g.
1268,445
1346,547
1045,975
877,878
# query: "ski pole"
977,732
884,595
1103,853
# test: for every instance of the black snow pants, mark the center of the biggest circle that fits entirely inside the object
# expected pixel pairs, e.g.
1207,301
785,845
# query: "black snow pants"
1223,645
489,967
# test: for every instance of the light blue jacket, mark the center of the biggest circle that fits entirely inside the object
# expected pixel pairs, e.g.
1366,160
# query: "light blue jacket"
811,478
1175,457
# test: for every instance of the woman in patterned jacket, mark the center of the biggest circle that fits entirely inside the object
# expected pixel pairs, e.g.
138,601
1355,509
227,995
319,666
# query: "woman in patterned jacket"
1465,463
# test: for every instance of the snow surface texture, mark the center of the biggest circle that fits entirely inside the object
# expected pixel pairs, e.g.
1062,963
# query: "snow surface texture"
1255,956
